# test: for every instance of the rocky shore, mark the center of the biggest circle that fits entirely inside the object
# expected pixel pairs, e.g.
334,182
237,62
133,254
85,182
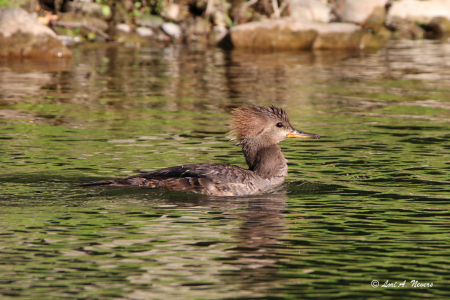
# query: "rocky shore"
46,30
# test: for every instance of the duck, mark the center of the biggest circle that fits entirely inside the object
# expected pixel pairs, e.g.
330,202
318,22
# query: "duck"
257,130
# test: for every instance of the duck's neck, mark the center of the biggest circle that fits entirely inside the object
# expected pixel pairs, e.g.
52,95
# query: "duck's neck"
265,160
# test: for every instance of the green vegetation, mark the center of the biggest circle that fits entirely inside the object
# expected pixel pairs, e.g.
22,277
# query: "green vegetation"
4,3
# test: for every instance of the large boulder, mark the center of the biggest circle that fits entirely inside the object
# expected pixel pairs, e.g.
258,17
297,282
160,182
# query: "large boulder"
23,36
309,10
418,11
281,34
289,34
339,36
357,11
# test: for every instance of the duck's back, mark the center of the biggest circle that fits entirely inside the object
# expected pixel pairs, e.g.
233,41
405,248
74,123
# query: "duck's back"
210,179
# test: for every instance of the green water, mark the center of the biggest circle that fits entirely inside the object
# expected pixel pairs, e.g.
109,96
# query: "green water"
368,201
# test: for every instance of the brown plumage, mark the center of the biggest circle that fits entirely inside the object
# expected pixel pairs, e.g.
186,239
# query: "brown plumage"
258,130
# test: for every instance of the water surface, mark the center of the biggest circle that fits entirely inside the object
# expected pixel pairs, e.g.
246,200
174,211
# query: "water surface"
368,201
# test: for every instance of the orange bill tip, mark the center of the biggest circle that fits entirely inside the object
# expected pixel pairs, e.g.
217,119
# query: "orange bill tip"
302,135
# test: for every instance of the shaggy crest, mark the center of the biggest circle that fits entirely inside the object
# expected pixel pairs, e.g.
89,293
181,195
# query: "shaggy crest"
249,121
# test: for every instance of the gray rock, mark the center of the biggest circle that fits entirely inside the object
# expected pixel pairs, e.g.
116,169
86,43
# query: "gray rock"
21,35
172,30
281,34
144,31
418,11
123,33
340,36
357,11
88,8
123,27
309,10
149,21
219,18
13,20
218,33
172,12
289,34
66,39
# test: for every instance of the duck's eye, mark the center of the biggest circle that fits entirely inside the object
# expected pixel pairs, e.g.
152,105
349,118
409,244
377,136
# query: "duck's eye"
279,124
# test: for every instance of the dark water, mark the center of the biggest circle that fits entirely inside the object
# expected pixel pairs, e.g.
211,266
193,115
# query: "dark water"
369,201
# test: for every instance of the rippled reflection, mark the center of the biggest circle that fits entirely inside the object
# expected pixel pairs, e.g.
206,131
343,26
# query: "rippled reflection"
368,201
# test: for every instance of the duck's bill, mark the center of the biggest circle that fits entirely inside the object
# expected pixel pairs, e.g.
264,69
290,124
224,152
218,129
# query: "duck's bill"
302,135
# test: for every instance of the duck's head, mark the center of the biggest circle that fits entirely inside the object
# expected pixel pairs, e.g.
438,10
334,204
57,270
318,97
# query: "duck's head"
263,125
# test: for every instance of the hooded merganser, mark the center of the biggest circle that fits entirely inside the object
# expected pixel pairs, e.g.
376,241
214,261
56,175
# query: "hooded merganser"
258,130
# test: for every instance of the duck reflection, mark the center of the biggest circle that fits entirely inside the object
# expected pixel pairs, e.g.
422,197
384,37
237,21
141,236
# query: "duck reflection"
255,256
233,246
